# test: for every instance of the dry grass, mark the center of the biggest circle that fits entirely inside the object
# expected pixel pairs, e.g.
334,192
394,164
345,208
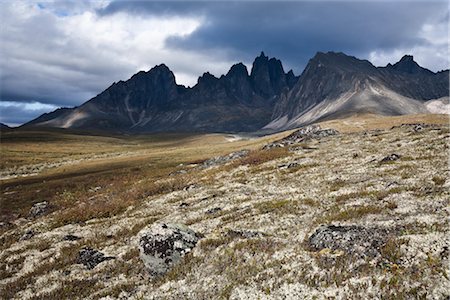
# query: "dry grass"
112,163
336,214
258,157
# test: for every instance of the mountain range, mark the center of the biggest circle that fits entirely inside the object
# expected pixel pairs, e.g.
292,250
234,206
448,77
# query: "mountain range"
333,85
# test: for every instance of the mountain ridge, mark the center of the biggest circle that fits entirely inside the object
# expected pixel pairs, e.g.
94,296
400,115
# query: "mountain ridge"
332,84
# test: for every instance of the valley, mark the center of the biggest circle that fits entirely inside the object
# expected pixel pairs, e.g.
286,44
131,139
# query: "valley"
273,222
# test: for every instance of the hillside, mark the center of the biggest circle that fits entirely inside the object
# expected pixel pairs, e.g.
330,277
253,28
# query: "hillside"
354,213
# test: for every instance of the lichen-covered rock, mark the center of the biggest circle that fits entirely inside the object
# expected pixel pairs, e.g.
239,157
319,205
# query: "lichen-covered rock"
38,209
91,257
355,240
162,246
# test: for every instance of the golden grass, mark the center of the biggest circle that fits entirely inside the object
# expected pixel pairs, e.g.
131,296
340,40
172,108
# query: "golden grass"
258,157
127,169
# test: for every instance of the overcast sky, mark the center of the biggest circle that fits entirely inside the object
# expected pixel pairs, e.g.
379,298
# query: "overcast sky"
62,53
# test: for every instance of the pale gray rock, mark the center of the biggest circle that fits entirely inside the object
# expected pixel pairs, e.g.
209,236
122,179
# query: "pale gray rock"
162,246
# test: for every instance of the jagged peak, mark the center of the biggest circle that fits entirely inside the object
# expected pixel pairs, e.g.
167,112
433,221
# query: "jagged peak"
161,68
407,57
206,78
238,69
407,64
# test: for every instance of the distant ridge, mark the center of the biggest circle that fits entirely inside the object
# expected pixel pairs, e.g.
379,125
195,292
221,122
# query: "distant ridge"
333,85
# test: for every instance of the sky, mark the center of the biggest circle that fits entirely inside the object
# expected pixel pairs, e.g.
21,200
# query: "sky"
62,53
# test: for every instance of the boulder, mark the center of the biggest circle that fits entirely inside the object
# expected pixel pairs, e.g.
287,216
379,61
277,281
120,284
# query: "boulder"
38,209
352,239
162,246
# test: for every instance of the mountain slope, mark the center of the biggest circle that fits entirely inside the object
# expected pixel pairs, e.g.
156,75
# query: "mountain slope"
152,101
334,85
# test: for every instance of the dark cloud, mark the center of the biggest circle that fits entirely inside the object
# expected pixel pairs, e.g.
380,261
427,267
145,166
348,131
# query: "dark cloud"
62,53
295,31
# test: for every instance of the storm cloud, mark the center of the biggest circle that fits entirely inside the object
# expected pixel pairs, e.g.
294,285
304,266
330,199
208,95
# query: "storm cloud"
63,53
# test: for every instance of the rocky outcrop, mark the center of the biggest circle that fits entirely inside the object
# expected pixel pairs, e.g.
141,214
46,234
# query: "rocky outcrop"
219,160
162,246
302,135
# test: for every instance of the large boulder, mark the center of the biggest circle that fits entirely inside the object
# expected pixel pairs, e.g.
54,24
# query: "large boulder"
162,246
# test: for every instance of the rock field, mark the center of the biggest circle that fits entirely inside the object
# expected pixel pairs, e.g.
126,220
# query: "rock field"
338,216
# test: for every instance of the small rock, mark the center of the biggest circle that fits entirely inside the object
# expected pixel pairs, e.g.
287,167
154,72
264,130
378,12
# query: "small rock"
71,237
352,239
246,234
162,246
5,225
38,209
91,257
184,204
27,235
391,157
213,210
95,189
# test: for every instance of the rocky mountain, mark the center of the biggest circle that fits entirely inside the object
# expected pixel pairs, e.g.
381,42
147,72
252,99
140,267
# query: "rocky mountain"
152,101
334,85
